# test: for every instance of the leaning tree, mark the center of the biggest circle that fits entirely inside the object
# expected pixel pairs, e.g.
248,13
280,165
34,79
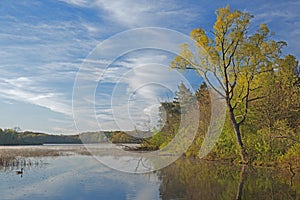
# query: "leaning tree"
236,59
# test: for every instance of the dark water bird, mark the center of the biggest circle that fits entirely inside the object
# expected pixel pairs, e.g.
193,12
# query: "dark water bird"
20,172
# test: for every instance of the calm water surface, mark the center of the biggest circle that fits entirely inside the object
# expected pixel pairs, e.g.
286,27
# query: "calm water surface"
82,177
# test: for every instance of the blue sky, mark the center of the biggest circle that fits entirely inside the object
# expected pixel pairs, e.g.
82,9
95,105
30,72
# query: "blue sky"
43,44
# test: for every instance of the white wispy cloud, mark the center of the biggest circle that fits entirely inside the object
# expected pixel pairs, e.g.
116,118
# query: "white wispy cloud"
82,3
40,56
39,60
124,80
143,13
27,90
136,90
282,17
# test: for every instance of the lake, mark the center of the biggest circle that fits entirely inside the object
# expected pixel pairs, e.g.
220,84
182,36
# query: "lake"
69,172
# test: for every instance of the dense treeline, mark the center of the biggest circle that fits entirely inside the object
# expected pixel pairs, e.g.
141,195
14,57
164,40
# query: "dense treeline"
124,137
269,137
260,86
13,137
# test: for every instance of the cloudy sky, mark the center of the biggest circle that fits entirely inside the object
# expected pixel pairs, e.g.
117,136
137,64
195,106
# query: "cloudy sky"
53,50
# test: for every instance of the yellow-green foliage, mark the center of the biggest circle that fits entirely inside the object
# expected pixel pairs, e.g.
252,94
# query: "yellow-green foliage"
292,156
226,147
261,87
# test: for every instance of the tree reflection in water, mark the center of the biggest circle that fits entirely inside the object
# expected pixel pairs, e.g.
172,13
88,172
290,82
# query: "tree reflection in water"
191,179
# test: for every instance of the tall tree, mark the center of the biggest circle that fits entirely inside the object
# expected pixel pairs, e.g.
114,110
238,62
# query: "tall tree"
236,59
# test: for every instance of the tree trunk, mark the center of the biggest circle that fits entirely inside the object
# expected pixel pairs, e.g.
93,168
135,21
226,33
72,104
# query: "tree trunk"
237,132
241,184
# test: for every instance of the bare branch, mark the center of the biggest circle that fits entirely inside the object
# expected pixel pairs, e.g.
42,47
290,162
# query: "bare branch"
235,105
232,54
264,71
259,87
256,98
220,82
246,98
243,119
227,49
215,34
242,91
232,86
211,85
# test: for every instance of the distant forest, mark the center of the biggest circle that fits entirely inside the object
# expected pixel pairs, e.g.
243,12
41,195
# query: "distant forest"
16,137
